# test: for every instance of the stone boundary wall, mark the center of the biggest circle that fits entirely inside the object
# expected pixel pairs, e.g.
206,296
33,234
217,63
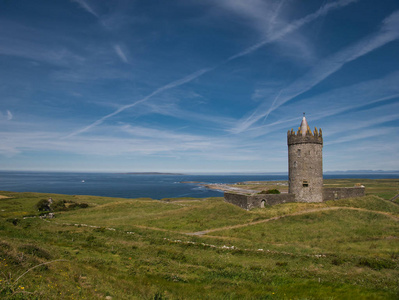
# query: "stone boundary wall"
237,199
253,201
270,199
341,193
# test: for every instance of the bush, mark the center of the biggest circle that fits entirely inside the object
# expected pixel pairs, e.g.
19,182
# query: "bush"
272,191
43,205
59,205
65,205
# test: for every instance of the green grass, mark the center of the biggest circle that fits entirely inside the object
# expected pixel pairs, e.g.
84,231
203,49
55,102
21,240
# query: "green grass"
345,249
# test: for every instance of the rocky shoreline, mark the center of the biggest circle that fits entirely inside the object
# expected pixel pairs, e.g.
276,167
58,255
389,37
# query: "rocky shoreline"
228,188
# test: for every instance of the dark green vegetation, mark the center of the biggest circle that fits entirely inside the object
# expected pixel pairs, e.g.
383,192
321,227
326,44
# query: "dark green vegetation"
141,249
59,205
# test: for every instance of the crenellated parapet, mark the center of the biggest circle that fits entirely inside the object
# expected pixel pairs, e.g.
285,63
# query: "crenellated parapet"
309,137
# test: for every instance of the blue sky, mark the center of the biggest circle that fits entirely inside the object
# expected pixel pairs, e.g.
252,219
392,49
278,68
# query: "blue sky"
196,86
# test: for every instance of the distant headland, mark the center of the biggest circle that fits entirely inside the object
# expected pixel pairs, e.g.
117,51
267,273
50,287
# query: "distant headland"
151,173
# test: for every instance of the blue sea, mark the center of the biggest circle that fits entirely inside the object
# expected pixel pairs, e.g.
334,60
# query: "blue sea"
136,185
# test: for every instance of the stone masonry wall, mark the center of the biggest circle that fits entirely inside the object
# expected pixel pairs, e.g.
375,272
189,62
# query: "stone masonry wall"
341,193
269,199
237,199
254,201
305,165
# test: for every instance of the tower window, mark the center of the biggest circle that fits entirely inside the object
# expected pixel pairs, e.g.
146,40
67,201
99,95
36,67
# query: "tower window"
299,152
294,164
305,183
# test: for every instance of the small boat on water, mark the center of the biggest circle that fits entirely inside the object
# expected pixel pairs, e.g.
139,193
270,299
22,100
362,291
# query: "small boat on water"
83,181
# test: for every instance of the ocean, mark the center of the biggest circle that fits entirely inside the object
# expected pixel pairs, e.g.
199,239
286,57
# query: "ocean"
153,186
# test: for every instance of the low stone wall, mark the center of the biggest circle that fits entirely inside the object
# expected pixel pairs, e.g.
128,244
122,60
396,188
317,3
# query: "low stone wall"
341,193
262,200
253,201
237,199
269,199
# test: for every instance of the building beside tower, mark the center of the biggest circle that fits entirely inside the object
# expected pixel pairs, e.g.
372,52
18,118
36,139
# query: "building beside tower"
305,174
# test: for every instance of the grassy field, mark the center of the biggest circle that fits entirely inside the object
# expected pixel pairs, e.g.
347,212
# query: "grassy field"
201,248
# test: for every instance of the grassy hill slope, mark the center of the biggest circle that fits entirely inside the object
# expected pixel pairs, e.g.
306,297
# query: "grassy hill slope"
198,248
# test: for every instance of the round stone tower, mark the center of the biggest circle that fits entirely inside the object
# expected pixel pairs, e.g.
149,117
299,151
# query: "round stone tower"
305,163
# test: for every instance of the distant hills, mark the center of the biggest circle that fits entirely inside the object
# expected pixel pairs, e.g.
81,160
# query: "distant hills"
151,173
273,173
363,172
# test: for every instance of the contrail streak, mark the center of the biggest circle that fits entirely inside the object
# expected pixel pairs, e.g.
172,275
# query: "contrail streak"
169,86
288,29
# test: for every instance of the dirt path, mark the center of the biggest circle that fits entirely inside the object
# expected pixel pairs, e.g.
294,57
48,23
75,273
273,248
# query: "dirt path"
204,232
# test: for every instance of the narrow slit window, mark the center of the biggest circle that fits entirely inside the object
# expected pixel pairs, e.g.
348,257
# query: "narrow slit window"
299,152
305,183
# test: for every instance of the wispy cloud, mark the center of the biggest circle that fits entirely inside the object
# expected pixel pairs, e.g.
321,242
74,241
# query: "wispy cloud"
86,7
324,10
166,87
388,33
120,53
138,141
26,42
363,134
7,116
170,109
370,118
335,103
267,18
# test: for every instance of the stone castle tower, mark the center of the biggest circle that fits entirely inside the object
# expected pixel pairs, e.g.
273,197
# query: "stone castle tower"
305,163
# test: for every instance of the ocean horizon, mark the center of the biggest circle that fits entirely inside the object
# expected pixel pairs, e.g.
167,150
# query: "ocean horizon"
144,184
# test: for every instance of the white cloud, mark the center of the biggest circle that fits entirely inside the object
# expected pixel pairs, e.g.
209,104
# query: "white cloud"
267,18
293,26
168,86
9,115
86,7
120,53
33,44
388,33
253,11
363,134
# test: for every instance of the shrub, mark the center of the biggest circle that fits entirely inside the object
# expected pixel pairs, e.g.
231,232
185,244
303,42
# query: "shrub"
59,205
65,205
72,205
272,191
43,205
